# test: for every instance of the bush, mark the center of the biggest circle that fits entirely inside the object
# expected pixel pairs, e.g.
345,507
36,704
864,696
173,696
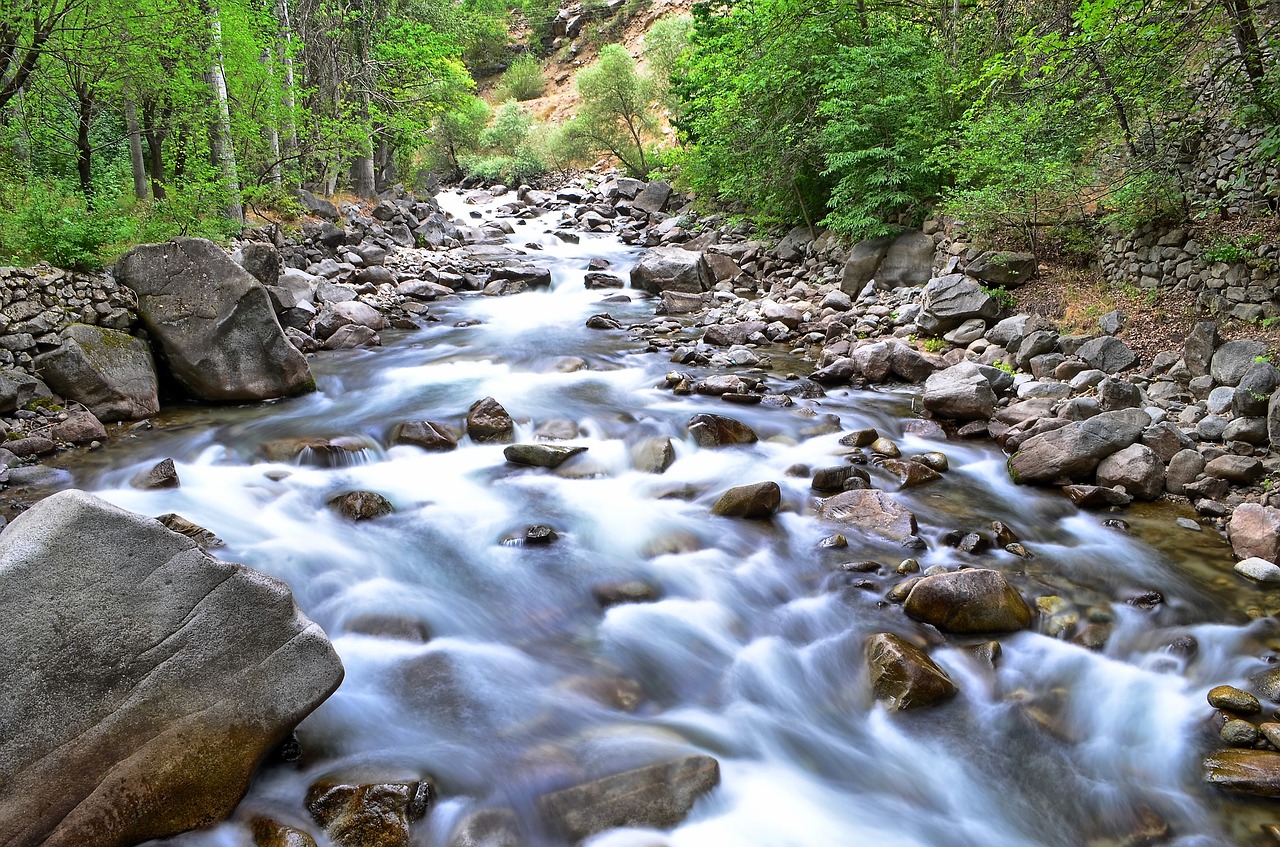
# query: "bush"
523,79
509,170
55,225
509,130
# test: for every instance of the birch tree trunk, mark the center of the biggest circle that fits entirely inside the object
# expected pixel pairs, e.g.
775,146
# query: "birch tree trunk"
136,161
289,148
223,153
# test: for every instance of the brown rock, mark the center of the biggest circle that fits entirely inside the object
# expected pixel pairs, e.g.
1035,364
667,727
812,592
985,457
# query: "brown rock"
903,676
361,505
1255,531
487,421
871,511
162,475
759,500
369,815
269,833
428,435
206,539
968,601
1246,771
719,431
79,428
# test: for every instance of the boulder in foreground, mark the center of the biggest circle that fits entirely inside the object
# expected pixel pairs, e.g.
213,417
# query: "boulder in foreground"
144,681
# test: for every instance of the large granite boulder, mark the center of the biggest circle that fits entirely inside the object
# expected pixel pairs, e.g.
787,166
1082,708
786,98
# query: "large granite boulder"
1255,532
892,261
949,301
961,392
1003,269
671,269
144,680
212,322
1075,450
110,372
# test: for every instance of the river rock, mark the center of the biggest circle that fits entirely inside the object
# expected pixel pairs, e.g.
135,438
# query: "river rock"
1108,354
1247,771
1232,360
1003,269
1197,350
260,259
671,269
1184,468
1241,470
371,814
1255,532
161,475
271,833
1254,391
910,473
361,505
541,455
835,479
759,500
961,392
609,594
871,511
488,421
968,601
1137,468
1096,496
79,428
657,797
1076,449
213,323
488,828
149,716
718,431
653,455
428,435
351,313
1234,700
110,373
1259,570
177,523
903,676
949,301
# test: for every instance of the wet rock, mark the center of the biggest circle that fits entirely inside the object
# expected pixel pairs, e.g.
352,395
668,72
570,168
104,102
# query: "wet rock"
270,833
903,676
79,428
759,500
1247,771
541,455
1238,733
161,475
488,828
110,373
428,435
1108,354
1135,467
1232,699
609,594
1259,570
1233,359
1075,450
603,321
177,523
397,627
540,535
653,455
488,421
969,601
596,279
910,474
32,445
961,392
719,431
1096,496
361,505
187,671
885,447
213,322
658,797
873,512
836,479
671,269
860,438
369,815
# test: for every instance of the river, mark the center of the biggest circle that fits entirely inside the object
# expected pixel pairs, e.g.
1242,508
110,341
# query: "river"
754,652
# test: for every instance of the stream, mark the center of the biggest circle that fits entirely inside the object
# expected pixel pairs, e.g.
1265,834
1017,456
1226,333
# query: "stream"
754,652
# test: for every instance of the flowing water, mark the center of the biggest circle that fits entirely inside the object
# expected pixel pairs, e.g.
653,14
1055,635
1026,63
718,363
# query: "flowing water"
754,652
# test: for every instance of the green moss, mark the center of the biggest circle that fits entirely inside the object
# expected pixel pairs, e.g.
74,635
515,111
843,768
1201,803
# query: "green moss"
42,403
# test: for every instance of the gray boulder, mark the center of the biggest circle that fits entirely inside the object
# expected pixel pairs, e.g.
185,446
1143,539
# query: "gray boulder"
1197,350
213,323
892,261
1137,468
1075,450
260,259
1002,269
110,372
653,198
671,269
1232,360
1108,354
658,796
1254,390
873,512
151,681
961,392
949,301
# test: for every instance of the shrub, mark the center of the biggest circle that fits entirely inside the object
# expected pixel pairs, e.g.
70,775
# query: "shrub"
523,79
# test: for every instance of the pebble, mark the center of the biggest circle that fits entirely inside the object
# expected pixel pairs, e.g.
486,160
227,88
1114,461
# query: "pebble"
1259,569
1188,523
1232,699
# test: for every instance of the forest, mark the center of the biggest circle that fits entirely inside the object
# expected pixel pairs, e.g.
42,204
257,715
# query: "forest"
1040,124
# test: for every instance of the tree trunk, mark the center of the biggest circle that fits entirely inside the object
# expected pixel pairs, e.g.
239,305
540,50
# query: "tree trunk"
136,161
223,152
273,133
290,145
385,160
1245,34
362,181
84,149
155,134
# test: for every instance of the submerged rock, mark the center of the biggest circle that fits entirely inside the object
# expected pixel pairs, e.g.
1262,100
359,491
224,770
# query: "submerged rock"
361,505
968,601
658,796
187,671
903,676
371,814
1247,771
871,511
541,455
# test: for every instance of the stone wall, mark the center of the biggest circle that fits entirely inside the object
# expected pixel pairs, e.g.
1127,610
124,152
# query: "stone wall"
35,303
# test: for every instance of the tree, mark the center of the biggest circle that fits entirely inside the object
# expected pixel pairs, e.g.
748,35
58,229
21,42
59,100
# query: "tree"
616,115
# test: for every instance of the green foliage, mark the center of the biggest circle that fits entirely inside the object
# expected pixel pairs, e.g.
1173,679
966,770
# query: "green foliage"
510,129
616,115
665,47
934,345
523,79
1004,366
1236,250
456,135
1003,296
54,224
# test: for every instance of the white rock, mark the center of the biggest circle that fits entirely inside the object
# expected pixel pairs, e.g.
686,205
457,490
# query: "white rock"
1259,569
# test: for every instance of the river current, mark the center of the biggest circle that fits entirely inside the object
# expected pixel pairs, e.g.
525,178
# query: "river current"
754,652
